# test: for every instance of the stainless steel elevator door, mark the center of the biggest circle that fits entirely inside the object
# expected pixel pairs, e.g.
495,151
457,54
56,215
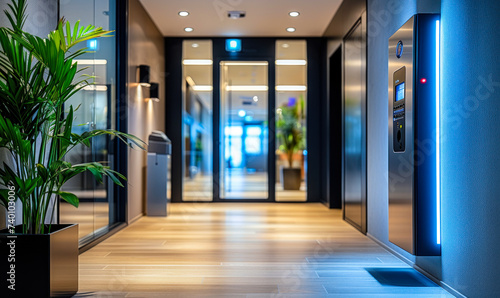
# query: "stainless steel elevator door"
354,128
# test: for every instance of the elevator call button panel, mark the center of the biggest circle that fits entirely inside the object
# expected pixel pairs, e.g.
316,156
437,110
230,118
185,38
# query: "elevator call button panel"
398,116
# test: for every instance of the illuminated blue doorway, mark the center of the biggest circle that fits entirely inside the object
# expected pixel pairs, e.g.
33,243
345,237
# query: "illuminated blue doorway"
244,130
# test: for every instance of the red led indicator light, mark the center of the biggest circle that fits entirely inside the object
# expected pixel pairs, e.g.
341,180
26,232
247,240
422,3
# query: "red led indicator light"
423,80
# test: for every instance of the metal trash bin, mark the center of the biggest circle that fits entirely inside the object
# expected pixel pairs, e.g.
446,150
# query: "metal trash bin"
158,174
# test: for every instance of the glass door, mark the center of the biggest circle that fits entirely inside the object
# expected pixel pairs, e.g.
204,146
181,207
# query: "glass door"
244,131
94,107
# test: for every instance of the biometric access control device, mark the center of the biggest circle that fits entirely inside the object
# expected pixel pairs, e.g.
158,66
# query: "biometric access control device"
414,122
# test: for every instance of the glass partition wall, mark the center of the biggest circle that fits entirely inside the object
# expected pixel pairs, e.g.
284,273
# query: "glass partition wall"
291,133
94,109
243,124
197,121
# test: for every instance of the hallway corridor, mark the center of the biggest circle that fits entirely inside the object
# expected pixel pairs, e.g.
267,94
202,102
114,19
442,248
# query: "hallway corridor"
247,250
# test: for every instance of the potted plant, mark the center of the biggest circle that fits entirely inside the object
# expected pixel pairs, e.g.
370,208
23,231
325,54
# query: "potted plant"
290,136
37,77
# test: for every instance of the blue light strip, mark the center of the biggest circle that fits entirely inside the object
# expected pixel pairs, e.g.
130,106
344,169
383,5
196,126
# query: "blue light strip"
438,147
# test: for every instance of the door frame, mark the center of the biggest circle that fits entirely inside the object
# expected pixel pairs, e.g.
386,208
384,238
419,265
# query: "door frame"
258,48
335,109
219,57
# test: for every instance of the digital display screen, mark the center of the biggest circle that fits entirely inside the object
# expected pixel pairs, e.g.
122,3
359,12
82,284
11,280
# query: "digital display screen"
400,91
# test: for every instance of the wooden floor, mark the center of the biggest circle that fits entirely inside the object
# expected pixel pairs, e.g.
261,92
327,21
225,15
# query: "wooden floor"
246,250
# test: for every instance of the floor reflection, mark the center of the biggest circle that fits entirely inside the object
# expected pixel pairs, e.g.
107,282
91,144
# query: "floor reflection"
199,189
90,216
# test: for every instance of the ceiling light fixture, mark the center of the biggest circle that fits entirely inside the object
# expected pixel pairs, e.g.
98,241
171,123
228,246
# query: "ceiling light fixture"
202,88
95,88
291,88
294,13
243,63
90,61
183,13
236,14
247,88
290,62
197,62
188,29
290,29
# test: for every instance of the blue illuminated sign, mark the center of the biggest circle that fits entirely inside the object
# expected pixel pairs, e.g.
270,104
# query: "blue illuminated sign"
233,45
92,44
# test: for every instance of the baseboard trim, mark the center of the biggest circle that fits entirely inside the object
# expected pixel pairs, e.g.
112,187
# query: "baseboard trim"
442,284
135,218
451,290
105,235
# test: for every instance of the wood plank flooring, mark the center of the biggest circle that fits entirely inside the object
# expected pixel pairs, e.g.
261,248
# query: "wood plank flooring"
246,250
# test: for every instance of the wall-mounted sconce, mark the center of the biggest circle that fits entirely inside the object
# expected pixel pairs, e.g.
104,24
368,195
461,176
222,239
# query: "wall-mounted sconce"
143,74
154,92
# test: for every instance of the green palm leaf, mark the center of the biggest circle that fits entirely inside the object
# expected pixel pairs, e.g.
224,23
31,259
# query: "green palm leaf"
37,77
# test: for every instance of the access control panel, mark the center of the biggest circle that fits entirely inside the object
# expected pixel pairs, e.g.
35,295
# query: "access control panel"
398,116
413,143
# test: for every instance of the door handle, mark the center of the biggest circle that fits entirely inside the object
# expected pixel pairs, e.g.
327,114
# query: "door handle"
91,125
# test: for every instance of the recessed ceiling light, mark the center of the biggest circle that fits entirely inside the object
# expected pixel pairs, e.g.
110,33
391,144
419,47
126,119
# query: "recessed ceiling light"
290,29
294,13
183,13
195,45
189,29
285,45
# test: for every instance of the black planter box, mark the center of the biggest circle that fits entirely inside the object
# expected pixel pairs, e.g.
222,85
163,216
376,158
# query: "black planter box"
291,178
44,265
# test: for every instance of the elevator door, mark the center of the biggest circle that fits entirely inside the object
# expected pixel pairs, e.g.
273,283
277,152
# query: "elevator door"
244,132
355,129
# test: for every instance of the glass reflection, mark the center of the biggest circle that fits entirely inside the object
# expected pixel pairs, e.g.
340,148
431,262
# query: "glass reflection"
291,133
94,109
197,119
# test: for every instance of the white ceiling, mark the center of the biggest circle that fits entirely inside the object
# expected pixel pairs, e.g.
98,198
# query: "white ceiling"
263,17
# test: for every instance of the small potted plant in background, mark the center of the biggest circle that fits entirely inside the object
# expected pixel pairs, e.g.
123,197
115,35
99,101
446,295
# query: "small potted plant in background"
291,140
37,77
